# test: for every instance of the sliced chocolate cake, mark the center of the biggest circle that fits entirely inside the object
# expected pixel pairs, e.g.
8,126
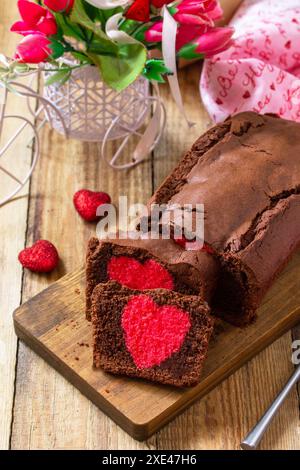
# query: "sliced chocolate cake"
246,172
159,335
149,264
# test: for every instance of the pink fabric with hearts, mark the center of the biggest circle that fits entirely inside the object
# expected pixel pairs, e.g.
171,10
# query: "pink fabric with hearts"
261,71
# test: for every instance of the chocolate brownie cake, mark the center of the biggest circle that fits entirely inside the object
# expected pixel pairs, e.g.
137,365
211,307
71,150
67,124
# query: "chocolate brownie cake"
149,264
246,172
159,335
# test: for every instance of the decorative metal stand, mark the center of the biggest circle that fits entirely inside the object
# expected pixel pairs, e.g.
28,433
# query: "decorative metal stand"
85,108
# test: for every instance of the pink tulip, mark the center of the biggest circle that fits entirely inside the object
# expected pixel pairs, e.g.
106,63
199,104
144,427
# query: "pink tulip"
187,33
59,6
216,12
186,18
221,49
209,43
195,12
34,19
31,12
154,33
33,49
214,40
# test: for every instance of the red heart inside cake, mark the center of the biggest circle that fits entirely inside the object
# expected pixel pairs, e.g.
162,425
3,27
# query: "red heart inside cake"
153,332
135,275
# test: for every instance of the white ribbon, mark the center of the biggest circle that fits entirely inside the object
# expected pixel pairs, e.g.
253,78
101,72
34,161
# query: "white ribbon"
169,33
112,31
107,4
152,131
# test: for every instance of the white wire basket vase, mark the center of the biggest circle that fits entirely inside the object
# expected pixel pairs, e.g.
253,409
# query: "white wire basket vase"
88,106
85,108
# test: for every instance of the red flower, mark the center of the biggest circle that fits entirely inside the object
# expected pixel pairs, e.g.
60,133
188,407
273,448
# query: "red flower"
139,11
33,49
160,3
35,19
59,5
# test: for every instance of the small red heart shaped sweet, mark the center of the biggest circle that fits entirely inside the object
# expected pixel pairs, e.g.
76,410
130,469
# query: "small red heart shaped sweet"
41,257
153,333
135,275
86,203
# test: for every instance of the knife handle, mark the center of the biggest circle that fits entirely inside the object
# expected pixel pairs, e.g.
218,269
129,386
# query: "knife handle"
254,437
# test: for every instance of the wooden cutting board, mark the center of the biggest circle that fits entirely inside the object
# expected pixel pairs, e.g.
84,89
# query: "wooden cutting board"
53,324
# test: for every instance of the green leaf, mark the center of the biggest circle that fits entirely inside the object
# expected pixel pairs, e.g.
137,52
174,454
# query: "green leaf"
61,77
128,26
96,47
67,28
120,72
81,57
79,16
57,48
155,69
188,51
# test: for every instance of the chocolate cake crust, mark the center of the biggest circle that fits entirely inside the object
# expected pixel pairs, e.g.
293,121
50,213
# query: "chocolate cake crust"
182,369
246,172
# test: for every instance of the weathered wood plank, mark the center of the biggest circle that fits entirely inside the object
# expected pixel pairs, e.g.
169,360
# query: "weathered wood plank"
12,228
46,405
53,324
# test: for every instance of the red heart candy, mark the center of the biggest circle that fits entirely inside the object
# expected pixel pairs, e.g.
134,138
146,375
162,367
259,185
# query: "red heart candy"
135,275
41,257
153,333
86,203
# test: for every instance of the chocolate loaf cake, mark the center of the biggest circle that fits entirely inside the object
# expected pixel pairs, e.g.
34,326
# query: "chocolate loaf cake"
159,335
246,172
149,264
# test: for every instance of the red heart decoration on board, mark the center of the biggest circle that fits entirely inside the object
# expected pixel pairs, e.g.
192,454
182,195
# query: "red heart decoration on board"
86,203
135,275
42,257
153,333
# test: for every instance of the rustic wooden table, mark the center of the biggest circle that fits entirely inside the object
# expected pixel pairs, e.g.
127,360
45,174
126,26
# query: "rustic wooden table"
41,410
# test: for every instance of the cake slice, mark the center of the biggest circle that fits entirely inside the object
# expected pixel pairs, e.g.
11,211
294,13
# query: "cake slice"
159,335
149,264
